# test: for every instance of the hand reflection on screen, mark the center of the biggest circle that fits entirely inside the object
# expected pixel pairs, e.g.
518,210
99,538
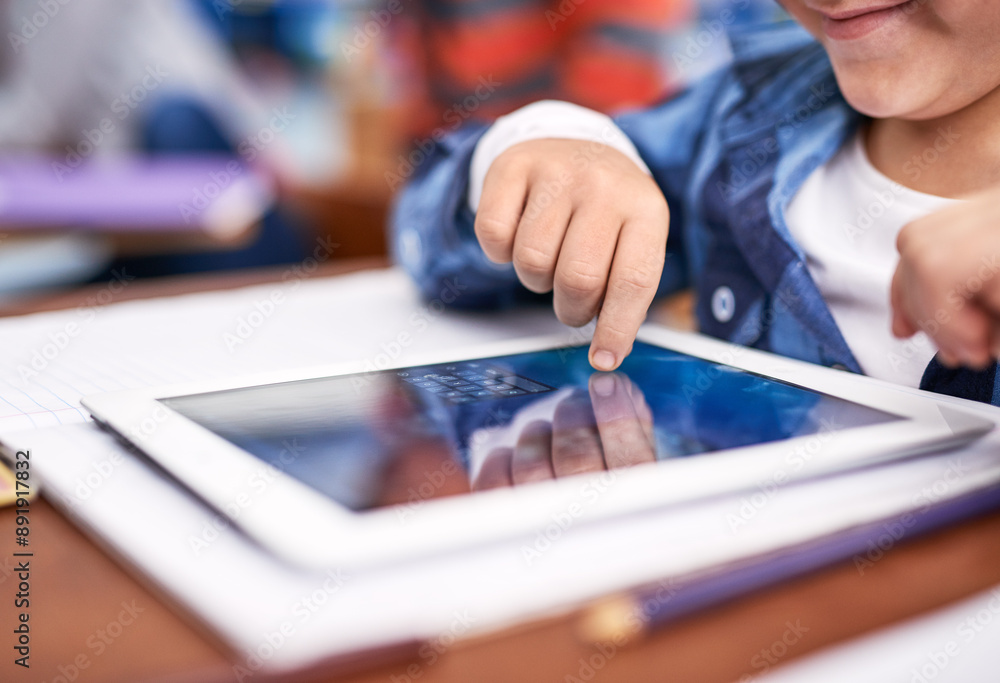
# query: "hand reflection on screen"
417,464
607,426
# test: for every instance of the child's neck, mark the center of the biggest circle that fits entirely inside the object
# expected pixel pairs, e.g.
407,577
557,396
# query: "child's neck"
951,156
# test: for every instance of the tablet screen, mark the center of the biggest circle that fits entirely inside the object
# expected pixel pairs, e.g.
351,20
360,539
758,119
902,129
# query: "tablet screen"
403,435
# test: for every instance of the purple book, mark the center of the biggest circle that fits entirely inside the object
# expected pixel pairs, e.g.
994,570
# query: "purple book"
166,194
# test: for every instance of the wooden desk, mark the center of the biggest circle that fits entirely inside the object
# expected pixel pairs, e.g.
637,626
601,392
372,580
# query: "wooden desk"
80,599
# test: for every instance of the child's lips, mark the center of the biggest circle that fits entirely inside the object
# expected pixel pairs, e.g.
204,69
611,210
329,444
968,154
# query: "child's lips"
859,22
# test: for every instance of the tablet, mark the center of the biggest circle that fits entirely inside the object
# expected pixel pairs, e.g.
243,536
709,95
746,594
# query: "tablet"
331,468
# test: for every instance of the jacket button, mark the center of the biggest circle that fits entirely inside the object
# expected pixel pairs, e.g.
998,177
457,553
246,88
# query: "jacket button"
723,304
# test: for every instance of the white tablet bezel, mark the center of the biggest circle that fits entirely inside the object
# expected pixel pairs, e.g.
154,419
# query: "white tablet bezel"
307,528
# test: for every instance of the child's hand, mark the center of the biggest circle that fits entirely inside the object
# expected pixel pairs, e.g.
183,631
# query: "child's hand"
582,219
948,281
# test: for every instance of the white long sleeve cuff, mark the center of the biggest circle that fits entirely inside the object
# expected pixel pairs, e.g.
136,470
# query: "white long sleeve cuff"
545,119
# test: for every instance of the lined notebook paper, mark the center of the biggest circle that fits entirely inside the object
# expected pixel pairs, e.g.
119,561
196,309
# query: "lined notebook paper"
51,360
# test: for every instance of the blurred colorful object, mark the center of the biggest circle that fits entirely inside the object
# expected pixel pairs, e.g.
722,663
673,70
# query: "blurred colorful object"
603,54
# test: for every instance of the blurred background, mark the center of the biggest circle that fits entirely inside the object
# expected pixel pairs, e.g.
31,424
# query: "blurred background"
155,138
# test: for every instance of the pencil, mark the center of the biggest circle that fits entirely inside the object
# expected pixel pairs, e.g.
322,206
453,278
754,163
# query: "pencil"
626,617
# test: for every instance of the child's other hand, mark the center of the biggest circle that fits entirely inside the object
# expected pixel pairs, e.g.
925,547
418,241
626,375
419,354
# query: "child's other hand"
948,281
582,219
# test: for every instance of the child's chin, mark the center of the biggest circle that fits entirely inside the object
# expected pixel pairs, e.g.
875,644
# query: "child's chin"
882,99
872,106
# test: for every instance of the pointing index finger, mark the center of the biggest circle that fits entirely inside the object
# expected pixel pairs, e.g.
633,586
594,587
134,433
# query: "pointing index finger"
635,276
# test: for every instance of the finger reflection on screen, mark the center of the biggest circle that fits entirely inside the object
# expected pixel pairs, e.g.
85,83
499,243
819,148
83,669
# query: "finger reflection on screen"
624,420
419,464
608,425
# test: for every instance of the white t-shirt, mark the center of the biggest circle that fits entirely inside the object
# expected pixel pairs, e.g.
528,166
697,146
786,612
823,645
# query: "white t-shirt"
845,218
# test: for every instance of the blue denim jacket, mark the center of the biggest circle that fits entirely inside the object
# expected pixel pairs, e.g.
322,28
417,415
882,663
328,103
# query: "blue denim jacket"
729,154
